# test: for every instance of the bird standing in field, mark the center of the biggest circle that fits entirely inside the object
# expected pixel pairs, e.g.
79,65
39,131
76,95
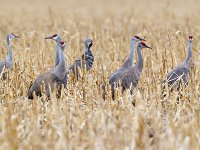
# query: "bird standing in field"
86,62
130,78
129,61
8,61
56,38
180,75
54,77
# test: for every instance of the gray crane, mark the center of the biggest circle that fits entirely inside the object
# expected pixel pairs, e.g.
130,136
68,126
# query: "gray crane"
50,79
56,38
129,61
8,61
86,61
180,75
129,78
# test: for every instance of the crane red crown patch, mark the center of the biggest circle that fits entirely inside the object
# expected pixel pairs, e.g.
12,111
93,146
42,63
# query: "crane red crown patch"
143,43
137,37
54,35
62,43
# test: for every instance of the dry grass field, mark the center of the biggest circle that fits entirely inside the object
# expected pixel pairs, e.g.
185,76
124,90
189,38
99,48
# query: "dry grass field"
81,119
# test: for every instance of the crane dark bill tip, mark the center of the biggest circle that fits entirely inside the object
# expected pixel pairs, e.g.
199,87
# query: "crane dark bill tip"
148,47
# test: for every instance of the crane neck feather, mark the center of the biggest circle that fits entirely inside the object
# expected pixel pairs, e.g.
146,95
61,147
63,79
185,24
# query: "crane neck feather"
87,47
139,64
131,50
8,40
130,57
9,56
60,69
57,58
189,53
129,62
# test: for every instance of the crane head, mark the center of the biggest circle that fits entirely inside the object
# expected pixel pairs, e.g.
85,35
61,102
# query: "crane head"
12,36
54,37
137,39
88,43
190,38
62,45
143,45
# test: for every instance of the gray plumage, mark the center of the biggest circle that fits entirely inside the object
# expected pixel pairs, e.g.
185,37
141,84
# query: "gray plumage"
180,75
130,78
56,77
56,38
8,61
86,61
129,61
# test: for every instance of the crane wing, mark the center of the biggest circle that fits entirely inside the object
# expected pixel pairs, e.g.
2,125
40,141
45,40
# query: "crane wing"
130,79
180,73
49,80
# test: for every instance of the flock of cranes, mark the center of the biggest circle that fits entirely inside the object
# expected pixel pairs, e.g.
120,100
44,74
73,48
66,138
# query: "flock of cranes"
127,76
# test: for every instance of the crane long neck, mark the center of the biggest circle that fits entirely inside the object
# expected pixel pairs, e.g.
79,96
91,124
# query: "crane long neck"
139,64
62,64
130,57
87,51
8,40
129,60
9,56
86,47
60,69
57,58
189,54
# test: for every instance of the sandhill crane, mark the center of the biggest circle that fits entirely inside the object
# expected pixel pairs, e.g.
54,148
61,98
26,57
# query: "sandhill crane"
129,61
87,60
56,38
180,74
129,78
54,77
8,61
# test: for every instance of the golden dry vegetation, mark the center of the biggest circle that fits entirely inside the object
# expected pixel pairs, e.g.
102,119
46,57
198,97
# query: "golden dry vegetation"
81,119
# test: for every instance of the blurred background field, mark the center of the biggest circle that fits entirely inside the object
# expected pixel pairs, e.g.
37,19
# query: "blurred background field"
81,119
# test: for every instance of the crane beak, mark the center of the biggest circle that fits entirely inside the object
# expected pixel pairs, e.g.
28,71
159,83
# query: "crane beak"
17,36
142,39
48,37
148,47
